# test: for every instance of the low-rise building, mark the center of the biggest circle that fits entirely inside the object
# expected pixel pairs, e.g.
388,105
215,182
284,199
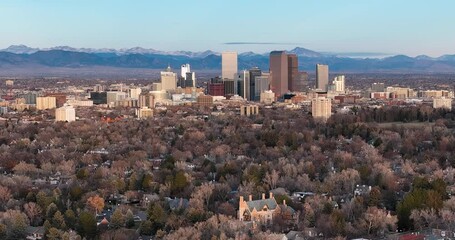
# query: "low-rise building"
144,112
247,110
442,103
204,100
267,97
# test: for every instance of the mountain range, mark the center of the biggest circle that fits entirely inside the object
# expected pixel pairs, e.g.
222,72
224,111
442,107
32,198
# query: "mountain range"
21,56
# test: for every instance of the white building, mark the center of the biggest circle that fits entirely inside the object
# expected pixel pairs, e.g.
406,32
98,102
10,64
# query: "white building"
228,65
442,103
134,93
184,70
338,84
65,114
267,97
321,108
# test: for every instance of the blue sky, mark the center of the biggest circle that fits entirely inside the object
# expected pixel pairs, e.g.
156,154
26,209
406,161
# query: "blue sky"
411,27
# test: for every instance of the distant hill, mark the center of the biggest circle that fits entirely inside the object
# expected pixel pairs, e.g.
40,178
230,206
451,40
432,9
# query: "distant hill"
68,57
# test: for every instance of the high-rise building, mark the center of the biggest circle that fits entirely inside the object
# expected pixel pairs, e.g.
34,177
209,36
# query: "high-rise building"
293,71
300,83
134,93
338,84
279,72
253,73
322,77
228,65
230,87
65,114
45,103
184,70
168,80
321,108
146,100
156,86
262,83
215,87
243,84
190,80
60,98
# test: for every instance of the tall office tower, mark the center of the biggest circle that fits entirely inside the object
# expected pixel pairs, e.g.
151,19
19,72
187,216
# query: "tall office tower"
338,83
168,80
254,73
146,100
134,93
262,84
321,108
243,84
279,72
300,84
65,114
322,77
228,65
378,87
190,80
230,87
185,69
46,103
293,71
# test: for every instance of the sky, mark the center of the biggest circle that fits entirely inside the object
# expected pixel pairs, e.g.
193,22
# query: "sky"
411,27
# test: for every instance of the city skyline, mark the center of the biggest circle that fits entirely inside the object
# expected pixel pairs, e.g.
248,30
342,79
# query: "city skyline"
385,27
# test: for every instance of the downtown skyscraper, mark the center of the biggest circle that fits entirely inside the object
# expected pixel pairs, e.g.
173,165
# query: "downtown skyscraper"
284,72
229,66
322,77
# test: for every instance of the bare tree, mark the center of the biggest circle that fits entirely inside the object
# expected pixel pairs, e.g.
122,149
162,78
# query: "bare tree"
33,212
271,179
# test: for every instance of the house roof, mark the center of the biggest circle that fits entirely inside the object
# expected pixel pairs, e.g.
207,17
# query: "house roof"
287,208
259,204
178,203
37,230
